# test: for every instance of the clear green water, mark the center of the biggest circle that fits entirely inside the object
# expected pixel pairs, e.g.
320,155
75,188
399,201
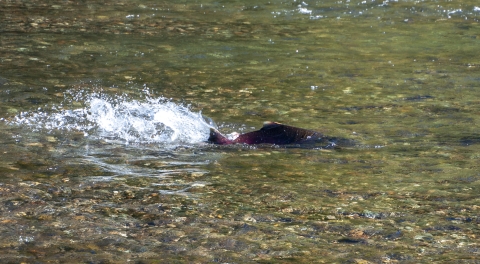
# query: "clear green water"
400,77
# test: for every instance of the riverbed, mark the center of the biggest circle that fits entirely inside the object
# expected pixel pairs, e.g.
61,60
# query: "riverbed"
105,109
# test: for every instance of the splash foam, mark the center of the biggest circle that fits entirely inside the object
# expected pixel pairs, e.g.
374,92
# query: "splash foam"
150,120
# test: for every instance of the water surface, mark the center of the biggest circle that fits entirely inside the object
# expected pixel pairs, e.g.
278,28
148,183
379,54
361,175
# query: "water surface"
105,107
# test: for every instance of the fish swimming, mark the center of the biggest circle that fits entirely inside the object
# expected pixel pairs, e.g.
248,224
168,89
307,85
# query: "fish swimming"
273,133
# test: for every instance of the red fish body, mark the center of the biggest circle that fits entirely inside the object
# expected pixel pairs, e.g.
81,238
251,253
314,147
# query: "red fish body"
270,133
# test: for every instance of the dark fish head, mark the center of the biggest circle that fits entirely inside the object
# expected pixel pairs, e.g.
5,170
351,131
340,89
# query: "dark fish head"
217,138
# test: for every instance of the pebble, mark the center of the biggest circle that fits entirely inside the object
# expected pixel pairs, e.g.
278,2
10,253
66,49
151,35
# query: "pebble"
331,217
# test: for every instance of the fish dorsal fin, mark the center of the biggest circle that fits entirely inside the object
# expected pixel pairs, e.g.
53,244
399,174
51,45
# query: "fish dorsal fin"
270,124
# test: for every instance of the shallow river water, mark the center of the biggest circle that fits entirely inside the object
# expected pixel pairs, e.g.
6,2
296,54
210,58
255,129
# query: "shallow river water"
105,107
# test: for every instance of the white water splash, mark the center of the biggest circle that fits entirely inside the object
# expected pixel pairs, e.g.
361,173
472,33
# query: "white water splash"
151,120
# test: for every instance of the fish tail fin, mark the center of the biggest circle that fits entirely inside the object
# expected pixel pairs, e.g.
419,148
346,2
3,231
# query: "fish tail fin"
217,138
